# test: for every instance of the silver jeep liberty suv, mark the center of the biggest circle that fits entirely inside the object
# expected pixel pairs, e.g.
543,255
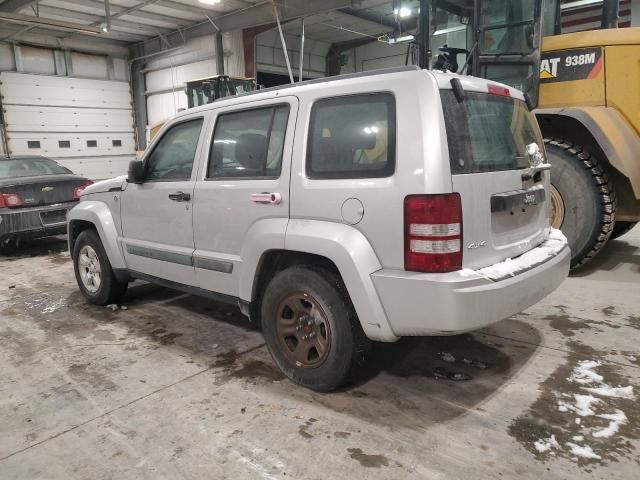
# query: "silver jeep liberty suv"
371,206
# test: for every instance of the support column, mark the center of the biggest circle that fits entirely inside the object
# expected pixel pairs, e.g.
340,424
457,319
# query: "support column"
249,44
610,13
219,54
635,13
138,88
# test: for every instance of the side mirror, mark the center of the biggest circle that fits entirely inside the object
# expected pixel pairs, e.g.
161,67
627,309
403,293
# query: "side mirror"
136,172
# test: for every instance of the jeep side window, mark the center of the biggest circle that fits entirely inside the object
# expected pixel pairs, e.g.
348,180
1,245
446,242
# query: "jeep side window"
352,137
249,143
172,158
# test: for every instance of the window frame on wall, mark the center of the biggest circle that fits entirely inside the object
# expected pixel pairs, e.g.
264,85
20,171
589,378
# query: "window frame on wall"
209,174
157,143
347,100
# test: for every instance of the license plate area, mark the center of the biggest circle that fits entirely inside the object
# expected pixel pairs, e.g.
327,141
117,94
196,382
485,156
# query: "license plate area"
517,200
53,217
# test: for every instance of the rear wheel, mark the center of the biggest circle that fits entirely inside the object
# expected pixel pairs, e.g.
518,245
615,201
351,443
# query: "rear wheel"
93,271
621,228
582,198
311,328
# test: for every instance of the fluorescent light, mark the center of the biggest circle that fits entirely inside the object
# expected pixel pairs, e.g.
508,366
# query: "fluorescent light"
405,38
209,2
402,12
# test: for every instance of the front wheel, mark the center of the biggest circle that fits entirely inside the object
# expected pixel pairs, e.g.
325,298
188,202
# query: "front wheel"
93,271
311,328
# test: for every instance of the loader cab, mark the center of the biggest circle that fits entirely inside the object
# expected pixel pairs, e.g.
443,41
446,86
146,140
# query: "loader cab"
206,90
494,39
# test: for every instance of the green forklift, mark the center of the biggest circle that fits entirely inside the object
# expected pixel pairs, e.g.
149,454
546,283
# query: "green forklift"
206,90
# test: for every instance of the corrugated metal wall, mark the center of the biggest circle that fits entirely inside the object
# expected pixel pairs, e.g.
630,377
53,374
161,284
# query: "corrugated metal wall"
590,17
166,75
270,56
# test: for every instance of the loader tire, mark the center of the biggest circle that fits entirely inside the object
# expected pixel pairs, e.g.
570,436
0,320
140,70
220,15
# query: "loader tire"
583,199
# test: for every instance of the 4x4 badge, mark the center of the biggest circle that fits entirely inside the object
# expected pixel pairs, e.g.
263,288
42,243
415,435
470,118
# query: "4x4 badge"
47,189
473,246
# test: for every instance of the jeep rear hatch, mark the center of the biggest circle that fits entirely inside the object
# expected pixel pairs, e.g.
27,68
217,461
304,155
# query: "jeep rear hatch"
504,209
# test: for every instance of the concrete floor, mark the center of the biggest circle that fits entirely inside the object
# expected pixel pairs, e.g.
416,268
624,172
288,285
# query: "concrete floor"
179,387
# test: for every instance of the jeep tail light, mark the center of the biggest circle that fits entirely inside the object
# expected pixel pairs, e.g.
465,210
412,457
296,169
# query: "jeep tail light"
78,190
10,200
433,233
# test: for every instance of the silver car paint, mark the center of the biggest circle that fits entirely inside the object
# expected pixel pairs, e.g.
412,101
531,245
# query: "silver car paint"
104,214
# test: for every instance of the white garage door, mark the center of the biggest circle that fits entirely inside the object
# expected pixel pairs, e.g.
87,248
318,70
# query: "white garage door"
86,125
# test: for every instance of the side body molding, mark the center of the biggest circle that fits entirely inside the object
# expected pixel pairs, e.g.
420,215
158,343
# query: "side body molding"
352,253
99,214
617,139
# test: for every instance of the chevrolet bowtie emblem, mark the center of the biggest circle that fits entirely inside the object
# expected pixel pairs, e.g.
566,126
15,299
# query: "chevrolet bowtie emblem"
47,189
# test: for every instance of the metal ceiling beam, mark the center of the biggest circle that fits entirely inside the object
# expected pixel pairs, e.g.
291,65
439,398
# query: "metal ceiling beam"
98,19
143,14
15,5
198,10
41,37
258,14
40,22
369,16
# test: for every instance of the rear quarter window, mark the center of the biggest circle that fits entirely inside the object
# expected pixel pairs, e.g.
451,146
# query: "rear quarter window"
352,137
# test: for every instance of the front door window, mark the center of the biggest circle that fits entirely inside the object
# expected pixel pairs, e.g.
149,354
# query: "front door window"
172,158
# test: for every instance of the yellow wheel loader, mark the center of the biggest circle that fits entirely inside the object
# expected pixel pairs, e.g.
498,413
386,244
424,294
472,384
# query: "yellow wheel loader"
589,114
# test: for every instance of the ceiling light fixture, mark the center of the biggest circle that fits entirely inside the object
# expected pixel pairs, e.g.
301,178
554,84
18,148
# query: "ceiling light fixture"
406,38
209,2
402,12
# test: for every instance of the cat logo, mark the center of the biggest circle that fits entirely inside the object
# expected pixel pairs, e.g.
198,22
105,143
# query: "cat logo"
571,65
549,68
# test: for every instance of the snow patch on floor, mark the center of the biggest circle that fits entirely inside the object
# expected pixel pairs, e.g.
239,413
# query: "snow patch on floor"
616,419
546,444
583,451
616,392
581,407
594,403
584,373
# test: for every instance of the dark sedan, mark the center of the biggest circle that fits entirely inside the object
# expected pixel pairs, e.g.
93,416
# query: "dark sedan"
35,195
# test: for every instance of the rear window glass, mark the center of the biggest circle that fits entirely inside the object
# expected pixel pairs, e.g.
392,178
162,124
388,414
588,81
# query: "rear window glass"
29,167
352,137
488,133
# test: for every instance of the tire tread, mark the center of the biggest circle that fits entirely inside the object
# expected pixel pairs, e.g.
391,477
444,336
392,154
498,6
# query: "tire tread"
608,199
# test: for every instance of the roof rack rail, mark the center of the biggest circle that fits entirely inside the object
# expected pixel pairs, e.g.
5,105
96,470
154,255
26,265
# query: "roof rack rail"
346,76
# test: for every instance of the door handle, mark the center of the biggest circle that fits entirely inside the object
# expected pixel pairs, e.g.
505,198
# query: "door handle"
266,197
180,197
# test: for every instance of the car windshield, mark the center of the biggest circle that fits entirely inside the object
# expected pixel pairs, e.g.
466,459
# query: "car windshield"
29,167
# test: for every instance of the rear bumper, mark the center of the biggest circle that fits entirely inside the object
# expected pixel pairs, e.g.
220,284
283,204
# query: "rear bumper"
458,302
33,222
